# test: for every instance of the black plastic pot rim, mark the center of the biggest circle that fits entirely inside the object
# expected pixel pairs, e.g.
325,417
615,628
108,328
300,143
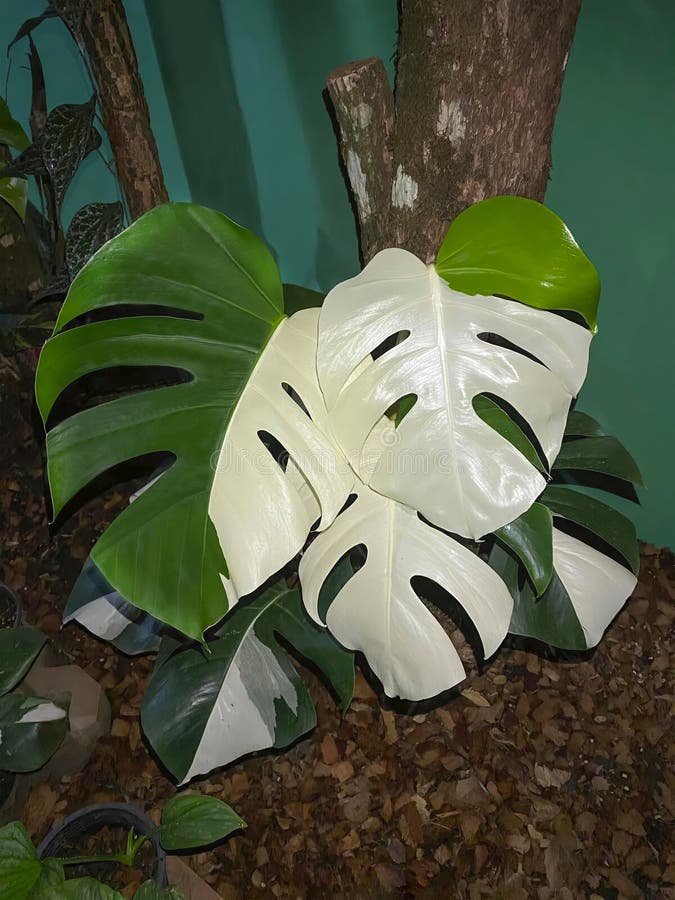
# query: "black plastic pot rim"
90,819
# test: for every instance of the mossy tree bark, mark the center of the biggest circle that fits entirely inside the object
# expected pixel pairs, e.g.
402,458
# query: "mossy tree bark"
107,41
477,88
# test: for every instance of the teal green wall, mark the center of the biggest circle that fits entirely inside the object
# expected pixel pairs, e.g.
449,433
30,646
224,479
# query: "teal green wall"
236,97
613,183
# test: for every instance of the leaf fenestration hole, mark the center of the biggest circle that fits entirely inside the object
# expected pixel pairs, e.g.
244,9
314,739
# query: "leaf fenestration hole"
390,342
521,422
105,385
343,570
293,394
489,337
455,621
275,448
400,408
130,311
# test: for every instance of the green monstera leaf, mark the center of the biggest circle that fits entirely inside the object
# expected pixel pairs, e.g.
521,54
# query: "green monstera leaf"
571,561
185,287
206,707
517,247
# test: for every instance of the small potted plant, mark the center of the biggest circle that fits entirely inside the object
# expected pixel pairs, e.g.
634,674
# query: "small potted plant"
101,845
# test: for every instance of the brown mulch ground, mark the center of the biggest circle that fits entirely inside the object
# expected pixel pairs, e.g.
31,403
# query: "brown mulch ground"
544,779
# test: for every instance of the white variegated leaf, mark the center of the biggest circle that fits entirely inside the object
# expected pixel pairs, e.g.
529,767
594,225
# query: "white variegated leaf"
378,612
262,512
446,461
597,585
102,610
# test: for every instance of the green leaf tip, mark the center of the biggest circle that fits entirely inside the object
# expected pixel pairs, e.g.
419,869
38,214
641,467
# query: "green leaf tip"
521,249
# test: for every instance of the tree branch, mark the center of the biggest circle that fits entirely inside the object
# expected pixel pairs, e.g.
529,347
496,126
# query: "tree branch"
112,57
364,109
477,88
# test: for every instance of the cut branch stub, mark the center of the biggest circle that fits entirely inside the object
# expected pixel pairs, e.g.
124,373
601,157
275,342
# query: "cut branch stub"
477,89
364,109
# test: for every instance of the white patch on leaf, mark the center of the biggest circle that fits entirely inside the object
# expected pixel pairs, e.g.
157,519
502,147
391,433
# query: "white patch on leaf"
597,585
101,618
243,718
251,493
44,712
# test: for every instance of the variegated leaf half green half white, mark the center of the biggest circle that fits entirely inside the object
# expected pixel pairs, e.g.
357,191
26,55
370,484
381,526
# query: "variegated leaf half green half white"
444,349
206,707
186,288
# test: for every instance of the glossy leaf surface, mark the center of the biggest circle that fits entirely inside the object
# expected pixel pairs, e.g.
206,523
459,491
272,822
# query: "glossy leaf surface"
103,611
445,460
66,140
494,416
518,248
550,618
212,300
91,227
586,591
597,585
204,709
378,612
530,537
605,521
599,454
194,820
580,424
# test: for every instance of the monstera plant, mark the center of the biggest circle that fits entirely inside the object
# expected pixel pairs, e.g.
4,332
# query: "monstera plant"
413,427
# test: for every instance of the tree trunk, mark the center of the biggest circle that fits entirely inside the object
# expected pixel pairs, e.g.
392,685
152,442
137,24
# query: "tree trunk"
108,44
477,88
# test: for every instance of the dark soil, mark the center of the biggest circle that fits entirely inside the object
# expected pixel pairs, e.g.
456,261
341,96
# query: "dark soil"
544,778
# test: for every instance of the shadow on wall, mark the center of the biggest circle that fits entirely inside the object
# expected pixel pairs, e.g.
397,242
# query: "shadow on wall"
193,53
307,30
